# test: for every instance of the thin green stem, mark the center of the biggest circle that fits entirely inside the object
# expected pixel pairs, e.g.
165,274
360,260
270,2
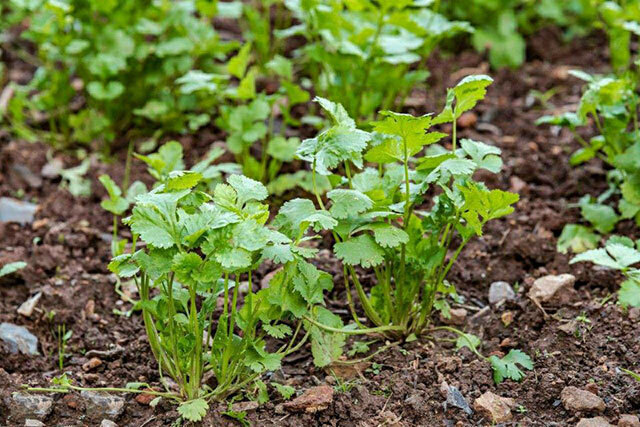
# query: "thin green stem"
379,329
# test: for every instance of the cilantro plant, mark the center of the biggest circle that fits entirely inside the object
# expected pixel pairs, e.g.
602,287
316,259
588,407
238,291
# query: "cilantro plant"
383,224
619,253
361,53
256,126
105,66
501,25
200,248
610,103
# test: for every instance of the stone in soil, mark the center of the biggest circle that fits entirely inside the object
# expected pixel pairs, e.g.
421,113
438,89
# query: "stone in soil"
499,291
18,339
250,405
313,400
628,420
33,423
27,307
23,406
455,398
102,405
554,289
494,407
594,422
108,423
12,210
457,316
578,400
27,176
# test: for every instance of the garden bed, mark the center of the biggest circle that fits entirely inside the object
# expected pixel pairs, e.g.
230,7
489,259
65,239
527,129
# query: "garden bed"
67,249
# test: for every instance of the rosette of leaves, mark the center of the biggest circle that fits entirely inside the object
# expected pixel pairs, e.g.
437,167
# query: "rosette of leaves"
360,53
105,66
199,248
611,104
383,224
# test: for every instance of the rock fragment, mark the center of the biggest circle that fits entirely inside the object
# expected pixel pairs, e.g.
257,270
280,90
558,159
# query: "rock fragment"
594,422
102,405
628,420
499,291
454,398
313,400
553,289
27,307
12,210
578,400
494,407
29,406
18,339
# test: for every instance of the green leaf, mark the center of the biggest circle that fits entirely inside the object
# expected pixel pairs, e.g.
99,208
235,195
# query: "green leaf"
238,64
631,373
469,91
614,255
361,250
247,188
116,204
578,238
283,149
348,203
386,235
182,180
484,155
311,283
326,347
629,293
277,331
12,267
482,205
105,93
286,391
603,217
470,341
152,227
193,410
342,142
507,367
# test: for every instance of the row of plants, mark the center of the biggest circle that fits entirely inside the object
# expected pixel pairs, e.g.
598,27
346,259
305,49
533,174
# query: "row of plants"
116,71
400,205
608,110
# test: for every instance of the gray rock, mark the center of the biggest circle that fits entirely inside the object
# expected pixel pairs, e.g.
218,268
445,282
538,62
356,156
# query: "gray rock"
18,339
499,291
102,405
33,423
628,420
457,400
108,423
52,169
12,210
29,406
33,180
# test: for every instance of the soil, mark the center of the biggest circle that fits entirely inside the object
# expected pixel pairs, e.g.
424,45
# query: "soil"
67,249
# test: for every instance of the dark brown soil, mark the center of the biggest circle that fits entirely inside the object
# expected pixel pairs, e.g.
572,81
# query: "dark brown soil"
67,250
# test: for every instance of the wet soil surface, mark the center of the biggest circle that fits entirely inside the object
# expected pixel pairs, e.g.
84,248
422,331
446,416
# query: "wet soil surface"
67,249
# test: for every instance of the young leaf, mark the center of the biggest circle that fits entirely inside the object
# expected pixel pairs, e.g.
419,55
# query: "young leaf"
348,202
247,188
507,367
12,267
361,250
629,293
326,347
578,238
286,391
193,410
